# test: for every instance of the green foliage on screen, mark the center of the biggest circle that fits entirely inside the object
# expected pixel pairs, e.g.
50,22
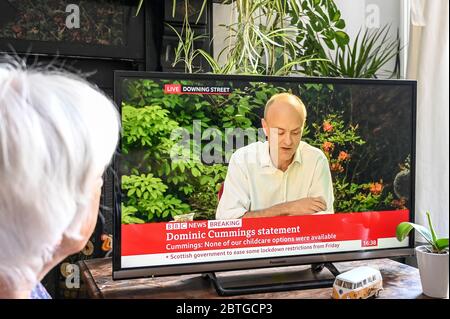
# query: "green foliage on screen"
157,188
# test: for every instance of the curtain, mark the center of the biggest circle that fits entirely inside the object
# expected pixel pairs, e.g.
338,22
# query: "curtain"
428,63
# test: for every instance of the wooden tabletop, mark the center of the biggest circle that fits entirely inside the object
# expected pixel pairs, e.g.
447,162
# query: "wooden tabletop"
400,281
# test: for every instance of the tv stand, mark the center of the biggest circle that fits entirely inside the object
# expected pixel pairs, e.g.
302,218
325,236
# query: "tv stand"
234,283
400,281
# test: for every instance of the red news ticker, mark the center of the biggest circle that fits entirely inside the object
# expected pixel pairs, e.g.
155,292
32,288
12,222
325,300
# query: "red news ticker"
154,238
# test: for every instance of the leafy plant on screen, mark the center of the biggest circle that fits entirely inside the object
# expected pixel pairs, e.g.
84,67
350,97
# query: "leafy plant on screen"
147,145
339,141
195,184
146,194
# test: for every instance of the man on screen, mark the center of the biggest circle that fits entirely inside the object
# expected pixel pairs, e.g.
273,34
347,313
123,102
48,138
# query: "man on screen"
283,176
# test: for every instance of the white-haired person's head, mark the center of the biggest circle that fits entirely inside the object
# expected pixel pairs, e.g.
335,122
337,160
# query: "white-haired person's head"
57,135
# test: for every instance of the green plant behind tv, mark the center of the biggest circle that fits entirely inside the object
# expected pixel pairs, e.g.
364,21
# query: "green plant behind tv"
279,37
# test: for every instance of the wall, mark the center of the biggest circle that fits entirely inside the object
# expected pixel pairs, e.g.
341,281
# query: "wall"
222,14
371,14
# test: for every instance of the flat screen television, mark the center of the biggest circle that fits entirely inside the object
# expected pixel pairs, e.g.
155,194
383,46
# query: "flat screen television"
195,161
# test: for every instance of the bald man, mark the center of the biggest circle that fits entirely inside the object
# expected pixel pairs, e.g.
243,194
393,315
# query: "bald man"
283,176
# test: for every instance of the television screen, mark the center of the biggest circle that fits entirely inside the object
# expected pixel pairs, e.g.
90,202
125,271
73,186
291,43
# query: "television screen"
223,172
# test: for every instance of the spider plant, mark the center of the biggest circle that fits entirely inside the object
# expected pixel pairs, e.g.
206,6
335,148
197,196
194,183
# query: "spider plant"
283,37
366,57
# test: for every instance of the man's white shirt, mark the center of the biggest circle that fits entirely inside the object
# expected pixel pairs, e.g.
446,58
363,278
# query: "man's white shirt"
253,182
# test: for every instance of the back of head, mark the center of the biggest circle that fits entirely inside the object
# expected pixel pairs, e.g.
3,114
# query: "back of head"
57,134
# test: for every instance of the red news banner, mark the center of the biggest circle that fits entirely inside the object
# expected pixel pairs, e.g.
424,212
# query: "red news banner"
335,232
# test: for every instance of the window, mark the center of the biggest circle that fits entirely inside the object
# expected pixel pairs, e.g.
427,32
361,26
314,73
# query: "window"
347,285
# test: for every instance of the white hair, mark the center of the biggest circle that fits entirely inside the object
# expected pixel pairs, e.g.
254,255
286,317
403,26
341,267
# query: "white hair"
57,135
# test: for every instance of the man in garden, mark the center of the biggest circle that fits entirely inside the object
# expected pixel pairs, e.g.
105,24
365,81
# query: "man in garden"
283,176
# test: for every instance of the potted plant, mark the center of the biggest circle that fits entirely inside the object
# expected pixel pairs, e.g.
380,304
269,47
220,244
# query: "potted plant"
432,259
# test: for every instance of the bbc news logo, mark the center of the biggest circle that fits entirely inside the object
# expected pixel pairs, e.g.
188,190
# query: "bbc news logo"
176,226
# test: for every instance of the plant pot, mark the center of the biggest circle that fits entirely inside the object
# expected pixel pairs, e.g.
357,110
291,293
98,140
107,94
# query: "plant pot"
433,270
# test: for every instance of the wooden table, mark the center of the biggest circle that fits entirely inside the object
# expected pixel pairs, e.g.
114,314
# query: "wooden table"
400,281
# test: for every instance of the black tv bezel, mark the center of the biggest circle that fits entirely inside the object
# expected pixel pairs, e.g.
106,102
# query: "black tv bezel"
165,270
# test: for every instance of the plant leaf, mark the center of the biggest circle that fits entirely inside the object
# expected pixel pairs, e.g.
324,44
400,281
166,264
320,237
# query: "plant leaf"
201,11
139,7
340,24
430,225
442,243
404,228
174,5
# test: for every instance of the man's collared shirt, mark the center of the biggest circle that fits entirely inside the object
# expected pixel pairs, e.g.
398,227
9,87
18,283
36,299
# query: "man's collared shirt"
253,182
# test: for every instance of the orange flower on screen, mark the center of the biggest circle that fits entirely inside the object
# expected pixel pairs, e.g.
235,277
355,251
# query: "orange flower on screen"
327,146
343,156
327,127
336,167
376,188
399,203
